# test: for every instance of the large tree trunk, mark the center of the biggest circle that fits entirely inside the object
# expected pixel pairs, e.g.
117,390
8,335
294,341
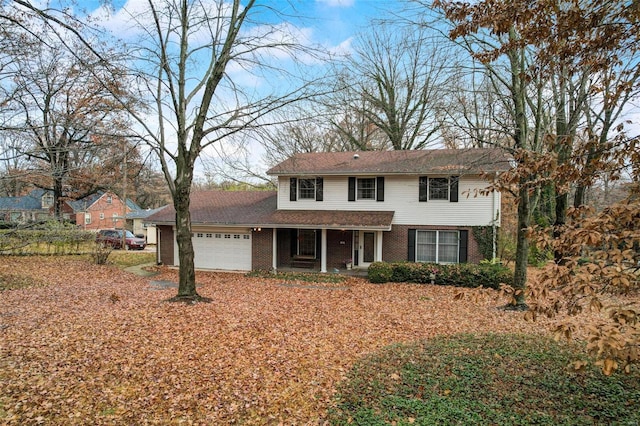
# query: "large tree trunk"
181,202
57,199
522,248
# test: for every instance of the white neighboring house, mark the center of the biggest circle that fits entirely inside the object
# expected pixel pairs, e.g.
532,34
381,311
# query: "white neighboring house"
138,224
334,208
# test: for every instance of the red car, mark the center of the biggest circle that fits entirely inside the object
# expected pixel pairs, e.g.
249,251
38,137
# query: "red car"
113,238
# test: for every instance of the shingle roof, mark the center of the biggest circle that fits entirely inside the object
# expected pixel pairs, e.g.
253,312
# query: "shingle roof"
143,214
333,219
435,161
224,208
86,202
33,201
259,208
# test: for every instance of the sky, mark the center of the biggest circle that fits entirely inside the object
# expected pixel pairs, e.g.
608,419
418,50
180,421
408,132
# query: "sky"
331,24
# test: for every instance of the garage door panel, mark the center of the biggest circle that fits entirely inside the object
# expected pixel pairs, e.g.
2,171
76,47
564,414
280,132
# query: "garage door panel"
222,250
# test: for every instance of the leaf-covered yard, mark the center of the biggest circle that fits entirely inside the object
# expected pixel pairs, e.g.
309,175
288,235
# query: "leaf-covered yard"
95,344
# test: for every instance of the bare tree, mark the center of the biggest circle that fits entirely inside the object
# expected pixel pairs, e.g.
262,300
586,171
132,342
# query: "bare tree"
392,86
185,68
62,110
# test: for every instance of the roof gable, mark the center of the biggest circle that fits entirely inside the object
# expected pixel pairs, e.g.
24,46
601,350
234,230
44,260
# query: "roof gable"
434,161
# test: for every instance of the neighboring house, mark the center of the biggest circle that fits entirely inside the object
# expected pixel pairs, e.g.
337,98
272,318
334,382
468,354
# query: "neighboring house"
138,224
36,206
332,208
101,210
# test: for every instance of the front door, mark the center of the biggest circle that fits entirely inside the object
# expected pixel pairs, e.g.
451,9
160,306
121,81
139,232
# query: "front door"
367,248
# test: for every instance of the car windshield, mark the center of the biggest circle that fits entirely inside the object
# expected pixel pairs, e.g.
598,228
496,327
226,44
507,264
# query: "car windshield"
128,234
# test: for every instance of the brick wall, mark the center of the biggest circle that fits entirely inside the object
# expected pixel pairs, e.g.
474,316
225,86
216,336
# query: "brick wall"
166,245
102,212
394,243
261,248
337,252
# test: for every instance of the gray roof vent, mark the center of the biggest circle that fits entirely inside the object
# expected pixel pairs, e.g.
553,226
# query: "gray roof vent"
356,156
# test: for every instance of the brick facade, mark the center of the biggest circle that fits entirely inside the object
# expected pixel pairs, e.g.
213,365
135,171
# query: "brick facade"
339,248
106,212
261,248
166,241
395,242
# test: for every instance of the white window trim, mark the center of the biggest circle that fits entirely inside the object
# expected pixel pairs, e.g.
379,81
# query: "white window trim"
437,244
375,189
313,183
429,180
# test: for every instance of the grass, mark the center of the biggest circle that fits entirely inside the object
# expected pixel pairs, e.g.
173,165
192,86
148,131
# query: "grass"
126,258
483,379
12,280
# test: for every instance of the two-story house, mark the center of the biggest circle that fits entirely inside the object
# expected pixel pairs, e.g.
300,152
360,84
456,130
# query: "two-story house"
332,208
102,210
340,207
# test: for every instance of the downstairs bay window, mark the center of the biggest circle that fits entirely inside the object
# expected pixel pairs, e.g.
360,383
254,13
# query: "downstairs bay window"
437,246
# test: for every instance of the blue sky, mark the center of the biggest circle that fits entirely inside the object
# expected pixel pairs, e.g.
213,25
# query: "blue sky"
330,22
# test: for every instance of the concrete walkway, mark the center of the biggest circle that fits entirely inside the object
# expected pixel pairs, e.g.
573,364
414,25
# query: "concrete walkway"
138,270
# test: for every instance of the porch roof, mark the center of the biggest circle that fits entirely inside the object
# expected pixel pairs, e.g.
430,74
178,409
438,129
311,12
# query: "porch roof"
332,219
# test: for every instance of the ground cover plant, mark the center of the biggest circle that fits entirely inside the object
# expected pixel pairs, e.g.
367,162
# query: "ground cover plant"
484,379
95,344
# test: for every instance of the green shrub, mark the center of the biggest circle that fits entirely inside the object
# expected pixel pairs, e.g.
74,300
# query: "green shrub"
379,272
486,274
402,272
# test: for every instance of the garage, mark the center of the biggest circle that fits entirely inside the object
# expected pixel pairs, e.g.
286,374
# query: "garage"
225,250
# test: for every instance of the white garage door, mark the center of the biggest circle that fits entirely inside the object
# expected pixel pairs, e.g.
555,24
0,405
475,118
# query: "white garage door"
222,250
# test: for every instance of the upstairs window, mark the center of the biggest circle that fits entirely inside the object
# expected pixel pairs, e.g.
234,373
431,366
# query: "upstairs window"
438,188
47,200
306,189
109,199
366,189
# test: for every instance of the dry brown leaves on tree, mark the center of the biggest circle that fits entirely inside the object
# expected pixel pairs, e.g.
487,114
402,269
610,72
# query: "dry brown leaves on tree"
99,345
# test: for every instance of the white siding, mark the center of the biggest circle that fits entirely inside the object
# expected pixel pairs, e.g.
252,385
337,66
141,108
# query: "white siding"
401,196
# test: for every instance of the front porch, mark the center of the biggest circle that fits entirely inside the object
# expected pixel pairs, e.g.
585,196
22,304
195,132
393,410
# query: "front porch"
326,250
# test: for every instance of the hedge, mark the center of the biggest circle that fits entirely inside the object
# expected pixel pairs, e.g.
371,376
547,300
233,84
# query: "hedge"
488,275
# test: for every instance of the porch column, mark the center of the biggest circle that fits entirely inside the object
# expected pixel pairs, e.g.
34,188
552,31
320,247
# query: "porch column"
274,249
323,251
378,256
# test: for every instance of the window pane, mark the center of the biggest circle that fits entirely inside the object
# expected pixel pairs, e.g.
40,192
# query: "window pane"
438,188
306,242
367,189
448,247
307,188
426,246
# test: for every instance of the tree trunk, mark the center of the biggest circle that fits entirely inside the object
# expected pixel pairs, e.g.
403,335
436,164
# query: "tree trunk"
57,199
562,203
522,248
187,273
